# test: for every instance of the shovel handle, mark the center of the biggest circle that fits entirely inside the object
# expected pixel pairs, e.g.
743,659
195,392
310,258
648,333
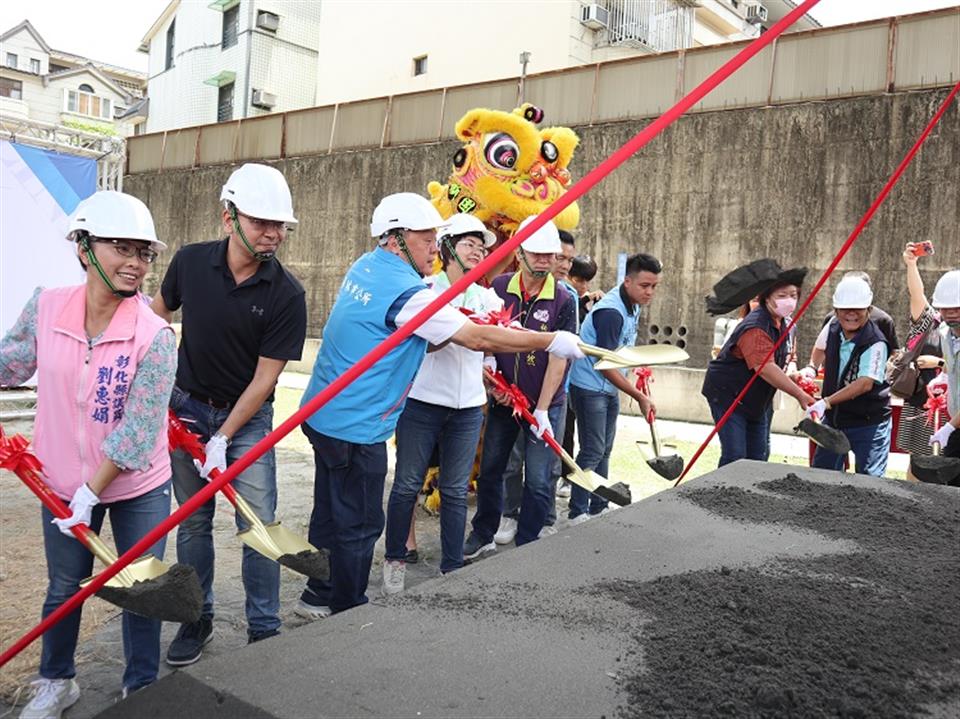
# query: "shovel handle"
238,502
654,437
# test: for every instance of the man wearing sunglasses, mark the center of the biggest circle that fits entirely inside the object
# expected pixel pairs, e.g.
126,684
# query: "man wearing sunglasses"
244,318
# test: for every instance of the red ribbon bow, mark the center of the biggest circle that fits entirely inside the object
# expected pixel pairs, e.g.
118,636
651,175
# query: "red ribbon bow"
518,399
498,318
936,404
15,455
644,378
808,386
179,437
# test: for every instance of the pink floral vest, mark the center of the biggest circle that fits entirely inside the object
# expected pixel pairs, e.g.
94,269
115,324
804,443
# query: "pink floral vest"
82,390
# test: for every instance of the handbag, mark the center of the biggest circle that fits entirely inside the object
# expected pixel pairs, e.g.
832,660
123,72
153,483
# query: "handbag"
902,373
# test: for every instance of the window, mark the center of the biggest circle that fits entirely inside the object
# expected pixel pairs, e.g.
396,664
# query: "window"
34,66
420,65
171,34
11,59
11,88
231,25
57,68
225,103
86,88
86,103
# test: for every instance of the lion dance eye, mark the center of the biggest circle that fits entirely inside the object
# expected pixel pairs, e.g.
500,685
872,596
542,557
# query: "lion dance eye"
501,151
549,152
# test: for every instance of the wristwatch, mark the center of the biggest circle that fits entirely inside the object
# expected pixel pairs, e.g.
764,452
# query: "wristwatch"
222,436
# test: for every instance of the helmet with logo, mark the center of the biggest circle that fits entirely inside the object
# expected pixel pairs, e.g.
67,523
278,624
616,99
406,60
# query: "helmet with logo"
113,215
543,241
852,293
464,224
404,211
260,191
947,291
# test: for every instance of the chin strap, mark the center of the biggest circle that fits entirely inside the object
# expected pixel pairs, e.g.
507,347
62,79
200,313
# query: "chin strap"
539,274
92,258
402,244
258,256
453,253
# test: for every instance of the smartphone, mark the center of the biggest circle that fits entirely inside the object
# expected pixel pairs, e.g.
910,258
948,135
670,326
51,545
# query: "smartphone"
922,249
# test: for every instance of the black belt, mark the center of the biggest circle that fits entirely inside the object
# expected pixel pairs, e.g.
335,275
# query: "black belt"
210,402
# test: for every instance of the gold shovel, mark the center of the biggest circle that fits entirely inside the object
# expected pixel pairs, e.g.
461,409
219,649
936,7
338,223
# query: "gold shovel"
638,356
273,541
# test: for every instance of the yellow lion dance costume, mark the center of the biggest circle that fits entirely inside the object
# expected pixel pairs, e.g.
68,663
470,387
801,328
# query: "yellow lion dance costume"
507,170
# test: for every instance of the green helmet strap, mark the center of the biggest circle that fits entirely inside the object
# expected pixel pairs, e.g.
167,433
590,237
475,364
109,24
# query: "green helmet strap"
92,257
453,253
539,274
402,244
258,256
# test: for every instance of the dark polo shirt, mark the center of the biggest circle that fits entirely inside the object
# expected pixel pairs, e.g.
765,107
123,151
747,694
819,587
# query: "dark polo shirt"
227,327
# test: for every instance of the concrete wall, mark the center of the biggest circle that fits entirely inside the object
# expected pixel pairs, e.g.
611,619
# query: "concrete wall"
715,190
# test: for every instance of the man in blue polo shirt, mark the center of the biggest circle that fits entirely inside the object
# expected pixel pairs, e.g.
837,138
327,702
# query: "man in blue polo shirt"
382,291
244,317
594,394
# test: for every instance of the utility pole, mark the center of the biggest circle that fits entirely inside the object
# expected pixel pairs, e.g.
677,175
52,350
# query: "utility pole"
524,59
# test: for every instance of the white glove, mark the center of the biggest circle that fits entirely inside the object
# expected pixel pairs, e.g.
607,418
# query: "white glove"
216,451
566,345
816,410
490,363
808,372
941,436
543,423
82,504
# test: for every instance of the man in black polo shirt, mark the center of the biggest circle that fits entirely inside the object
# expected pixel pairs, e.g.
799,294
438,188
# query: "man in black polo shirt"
244,317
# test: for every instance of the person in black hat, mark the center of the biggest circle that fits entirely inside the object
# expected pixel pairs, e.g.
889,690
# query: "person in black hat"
746,434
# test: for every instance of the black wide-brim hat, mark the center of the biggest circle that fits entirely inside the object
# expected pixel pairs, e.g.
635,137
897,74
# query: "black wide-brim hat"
744,283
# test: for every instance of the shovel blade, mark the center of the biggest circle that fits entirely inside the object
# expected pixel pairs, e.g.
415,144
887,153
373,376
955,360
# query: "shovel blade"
668,466
278,543
643,356
618,493
829,438
171,594
936,469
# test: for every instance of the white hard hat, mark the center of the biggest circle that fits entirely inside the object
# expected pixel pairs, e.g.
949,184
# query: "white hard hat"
114,215
852,294
947,291
405,211
464,224
260,191
544,240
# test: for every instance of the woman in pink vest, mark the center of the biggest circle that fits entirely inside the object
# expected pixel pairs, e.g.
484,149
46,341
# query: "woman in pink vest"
105,367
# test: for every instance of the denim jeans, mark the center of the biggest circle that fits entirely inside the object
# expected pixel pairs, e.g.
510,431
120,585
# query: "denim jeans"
421,427
498,439
513,484
69,563
870,445
742,437
597,413
257,485
347,516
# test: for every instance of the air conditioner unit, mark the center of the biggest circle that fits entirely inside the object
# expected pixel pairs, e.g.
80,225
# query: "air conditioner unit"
756,13
595,17
268,21
264,99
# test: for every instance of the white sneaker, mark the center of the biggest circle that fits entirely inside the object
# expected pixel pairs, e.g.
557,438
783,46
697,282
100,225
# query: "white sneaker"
563,488
507,531
547,531
305,610
50,698
393,576
580,519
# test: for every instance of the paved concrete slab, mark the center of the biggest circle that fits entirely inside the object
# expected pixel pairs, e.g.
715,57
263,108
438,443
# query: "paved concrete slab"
522,634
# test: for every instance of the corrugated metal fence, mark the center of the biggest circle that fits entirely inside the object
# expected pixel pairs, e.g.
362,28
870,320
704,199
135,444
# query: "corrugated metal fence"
902,53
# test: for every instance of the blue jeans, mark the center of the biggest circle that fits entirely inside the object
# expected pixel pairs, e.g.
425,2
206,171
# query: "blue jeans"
742,437
498,439
347,516
513,484
420,428
257,485
870,445
69,563
597,413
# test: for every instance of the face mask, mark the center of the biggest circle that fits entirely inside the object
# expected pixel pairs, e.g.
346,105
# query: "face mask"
954,325
784,306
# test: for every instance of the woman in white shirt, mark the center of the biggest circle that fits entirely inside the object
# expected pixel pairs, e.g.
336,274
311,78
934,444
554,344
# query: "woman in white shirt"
445,409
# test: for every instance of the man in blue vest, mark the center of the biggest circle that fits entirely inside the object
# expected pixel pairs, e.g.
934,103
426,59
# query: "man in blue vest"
594,394
382,291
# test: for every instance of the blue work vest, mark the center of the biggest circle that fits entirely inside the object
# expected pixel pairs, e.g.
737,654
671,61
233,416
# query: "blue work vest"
728,374
366,411
583,374
868,409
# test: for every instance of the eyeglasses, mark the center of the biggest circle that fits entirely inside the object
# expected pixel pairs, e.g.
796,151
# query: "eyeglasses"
264,225
125,249
473,246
